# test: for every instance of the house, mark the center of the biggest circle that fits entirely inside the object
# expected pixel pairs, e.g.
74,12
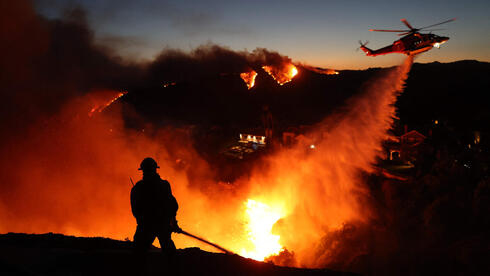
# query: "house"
405,149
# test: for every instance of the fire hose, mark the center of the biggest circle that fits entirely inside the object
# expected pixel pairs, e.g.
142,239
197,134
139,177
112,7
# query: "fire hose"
206,242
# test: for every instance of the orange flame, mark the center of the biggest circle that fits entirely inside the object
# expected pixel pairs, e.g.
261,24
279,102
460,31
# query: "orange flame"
101,101
249,78
261,219
282,74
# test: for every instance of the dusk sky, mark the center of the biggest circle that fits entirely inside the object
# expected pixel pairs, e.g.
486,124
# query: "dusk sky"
319,33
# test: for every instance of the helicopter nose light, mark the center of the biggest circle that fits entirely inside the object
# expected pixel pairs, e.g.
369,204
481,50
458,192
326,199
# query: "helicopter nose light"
441,41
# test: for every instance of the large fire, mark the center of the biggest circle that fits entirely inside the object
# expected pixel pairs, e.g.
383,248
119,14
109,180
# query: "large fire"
282,74
249,78
260,220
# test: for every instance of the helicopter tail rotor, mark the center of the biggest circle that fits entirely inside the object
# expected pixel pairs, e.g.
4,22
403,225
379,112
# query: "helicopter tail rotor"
364,48
363,44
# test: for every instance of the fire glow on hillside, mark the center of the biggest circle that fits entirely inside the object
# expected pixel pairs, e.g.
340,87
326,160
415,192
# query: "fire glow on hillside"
103,99
249,78
283,74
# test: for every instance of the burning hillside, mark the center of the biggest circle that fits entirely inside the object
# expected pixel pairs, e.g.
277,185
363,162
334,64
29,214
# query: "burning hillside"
282,74
306,205
249,78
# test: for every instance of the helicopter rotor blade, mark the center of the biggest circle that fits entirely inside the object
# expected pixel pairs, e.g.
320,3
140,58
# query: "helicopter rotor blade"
410,32
447,21
407,24
392,31
431,30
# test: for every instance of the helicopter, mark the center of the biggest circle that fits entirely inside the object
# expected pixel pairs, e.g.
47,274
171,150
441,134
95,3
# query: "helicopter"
411,44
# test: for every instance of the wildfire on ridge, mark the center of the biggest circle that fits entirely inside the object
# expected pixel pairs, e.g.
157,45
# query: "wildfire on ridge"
282,74
260,220
249,78
104,103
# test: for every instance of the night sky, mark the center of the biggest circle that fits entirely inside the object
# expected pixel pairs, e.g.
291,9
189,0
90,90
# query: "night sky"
320,33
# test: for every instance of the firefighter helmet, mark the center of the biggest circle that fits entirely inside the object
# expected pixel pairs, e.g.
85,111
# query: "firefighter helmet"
148,164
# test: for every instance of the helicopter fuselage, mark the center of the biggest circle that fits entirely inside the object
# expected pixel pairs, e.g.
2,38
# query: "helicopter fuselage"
411,44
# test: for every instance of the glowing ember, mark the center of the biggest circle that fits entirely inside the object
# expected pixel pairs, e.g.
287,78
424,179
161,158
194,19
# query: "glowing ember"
249,78
99,106
167,84
261,218
283,74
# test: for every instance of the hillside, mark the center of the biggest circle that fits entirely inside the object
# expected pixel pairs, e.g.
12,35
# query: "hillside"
56,254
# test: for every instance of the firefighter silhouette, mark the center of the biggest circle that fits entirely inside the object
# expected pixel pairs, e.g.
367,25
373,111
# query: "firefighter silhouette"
155,209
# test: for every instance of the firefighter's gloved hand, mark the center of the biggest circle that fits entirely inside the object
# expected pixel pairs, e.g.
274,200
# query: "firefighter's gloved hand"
175,226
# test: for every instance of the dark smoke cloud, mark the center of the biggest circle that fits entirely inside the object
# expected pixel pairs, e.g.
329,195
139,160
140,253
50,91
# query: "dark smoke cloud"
47,62
47,67
211,60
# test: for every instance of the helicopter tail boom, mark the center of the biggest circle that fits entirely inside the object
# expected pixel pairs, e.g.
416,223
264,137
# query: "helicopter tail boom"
366,50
